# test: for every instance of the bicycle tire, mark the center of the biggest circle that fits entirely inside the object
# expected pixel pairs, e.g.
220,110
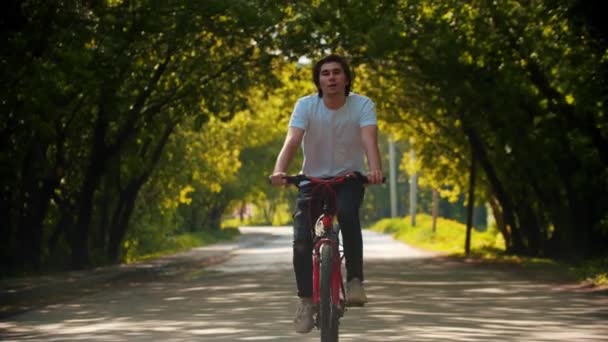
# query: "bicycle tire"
328,316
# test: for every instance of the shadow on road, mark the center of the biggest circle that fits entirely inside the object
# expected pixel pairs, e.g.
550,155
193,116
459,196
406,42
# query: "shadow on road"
425,299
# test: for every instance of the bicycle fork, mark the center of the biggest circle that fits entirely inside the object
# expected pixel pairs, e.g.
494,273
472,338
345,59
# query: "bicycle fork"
327,238
336,281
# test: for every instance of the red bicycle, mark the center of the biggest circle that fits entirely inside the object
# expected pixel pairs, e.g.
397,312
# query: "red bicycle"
328,285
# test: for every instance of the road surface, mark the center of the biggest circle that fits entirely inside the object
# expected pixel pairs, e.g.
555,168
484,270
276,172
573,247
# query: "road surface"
413,296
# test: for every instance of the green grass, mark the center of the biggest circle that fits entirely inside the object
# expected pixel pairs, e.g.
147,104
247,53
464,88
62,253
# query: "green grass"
448,238
184,242
488,245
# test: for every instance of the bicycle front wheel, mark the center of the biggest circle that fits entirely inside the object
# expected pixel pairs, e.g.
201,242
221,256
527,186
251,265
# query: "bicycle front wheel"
328,313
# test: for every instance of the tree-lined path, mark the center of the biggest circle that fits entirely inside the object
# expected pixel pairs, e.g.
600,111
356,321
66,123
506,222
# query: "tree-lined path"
133,128
414,296
128,127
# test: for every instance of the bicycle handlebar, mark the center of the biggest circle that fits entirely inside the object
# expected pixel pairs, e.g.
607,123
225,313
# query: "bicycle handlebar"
297,179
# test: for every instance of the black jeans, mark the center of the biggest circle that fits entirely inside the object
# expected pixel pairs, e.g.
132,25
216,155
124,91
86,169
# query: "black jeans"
349,196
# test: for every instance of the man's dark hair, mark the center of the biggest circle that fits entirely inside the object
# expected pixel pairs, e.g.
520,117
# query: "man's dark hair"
316,72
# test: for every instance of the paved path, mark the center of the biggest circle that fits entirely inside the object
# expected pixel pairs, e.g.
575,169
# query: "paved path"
414,296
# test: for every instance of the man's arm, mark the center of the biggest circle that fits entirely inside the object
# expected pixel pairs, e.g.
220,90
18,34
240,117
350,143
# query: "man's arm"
290,146
369,138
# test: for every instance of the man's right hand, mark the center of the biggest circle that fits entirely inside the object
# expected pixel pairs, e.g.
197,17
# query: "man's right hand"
278,178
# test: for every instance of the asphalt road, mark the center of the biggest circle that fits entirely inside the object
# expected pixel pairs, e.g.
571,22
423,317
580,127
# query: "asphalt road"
414,296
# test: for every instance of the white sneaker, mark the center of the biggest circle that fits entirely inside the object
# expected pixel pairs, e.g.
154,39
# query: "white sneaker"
303,320
355,293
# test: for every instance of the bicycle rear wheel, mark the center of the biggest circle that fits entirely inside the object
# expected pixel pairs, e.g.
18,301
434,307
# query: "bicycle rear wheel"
328,312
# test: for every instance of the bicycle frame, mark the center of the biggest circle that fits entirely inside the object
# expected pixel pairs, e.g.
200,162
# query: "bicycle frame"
329,237
325,232
327,282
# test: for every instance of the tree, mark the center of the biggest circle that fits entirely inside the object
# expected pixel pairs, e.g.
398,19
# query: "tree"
511,83
97,95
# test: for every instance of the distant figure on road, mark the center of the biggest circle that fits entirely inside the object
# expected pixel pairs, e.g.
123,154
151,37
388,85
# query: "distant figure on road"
337,129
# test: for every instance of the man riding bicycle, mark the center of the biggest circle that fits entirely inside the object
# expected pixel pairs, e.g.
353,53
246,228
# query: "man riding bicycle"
335,128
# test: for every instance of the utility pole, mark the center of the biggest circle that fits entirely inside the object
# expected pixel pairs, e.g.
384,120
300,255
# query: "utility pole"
392,177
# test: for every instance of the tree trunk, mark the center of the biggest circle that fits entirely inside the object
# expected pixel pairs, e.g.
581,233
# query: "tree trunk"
79,237
6,229
118,230
470,204
242,209
500,222
102,233
196,220
529,226
435,210
506,203
129,196
63,228
37,191
215,216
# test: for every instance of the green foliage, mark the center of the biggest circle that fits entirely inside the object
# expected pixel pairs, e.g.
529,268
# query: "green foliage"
144,248
210,170
448,237
132,118
502,81
94,91
487,245
281,217
593,271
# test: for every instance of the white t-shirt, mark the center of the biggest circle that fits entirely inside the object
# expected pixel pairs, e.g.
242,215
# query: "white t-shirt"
332,140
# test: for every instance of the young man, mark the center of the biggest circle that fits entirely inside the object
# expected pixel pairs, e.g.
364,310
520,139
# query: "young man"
335,128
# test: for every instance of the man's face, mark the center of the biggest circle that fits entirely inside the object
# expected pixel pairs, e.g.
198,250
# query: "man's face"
332,79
